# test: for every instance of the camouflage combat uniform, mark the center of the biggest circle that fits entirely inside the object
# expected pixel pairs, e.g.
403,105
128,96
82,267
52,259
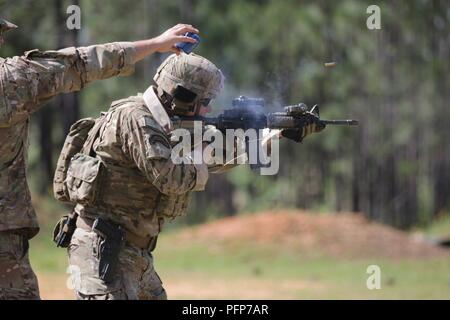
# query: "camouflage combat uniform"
139,188
26,83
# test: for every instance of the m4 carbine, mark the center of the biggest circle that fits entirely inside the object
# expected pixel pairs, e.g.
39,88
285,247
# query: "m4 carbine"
248,113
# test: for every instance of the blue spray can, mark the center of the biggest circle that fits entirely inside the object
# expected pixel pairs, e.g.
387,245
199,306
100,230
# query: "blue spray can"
188,47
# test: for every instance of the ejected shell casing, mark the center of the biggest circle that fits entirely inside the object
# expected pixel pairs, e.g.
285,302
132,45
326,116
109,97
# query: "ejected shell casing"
330,64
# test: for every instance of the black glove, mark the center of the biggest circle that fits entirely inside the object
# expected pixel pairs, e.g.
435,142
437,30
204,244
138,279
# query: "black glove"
310,126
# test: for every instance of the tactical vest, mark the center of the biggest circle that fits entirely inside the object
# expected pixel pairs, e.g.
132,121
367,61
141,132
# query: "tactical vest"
122,194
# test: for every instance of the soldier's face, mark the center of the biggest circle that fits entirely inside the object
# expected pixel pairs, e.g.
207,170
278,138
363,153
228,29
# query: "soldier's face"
204,110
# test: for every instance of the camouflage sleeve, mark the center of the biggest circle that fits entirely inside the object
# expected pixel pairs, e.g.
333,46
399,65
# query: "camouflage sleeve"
32,79
150,149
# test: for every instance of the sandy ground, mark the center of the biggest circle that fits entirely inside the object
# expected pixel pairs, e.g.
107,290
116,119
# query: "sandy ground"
53,287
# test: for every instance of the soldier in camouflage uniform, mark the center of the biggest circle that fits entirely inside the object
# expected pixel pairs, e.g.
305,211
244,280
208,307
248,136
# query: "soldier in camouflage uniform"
27,83
140,186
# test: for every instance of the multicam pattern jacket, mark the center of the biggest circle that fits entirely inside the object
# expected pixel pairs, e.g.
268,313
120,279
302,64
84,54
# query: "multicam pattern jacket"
141,186
27,83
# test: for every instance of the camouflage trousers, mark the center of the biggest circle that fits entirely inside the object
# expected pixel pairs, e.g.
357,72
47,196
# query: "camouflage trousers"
17,279
135,279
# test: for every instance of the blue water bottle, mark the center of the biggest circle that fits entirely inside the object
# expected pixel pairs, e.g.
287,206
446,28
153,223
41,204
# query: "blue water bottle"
188,47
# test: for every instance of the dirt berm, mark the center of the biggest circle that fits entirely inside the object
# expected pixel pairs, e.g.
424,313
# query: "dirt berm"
345,235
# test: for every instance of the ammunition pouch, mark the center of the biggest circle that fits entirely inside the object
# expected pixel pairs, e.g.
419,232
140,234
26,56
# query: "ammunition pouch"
83,177
64,229
73,144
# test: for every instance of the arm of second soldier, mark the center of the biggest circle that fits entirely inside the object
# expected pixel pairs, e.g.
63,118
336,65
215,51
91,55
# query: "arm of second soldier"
27,82
149,147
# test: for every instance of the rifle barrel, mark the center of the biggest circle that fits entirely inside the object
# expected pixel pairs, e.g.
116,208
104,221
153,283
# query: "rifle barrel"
341,122
214,120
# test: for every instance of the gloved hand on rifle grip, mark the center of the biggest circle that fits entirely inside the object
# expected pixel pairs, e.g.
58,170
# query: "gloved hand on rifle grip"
311,125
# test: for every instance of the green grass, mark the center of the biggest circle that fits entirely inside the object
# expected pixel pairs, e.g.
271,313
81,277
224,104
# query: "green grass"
338,278
280,270
43,252
44,255
440,228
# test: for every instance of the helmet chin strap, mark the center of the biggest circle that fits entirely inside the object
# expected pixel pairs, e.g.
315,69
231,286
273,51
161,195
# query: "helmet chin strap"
174,105
182,100
166,100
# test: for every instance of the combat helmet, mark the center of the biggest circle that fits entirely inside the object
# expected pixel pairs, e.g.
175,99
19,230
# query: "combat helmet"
189,79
